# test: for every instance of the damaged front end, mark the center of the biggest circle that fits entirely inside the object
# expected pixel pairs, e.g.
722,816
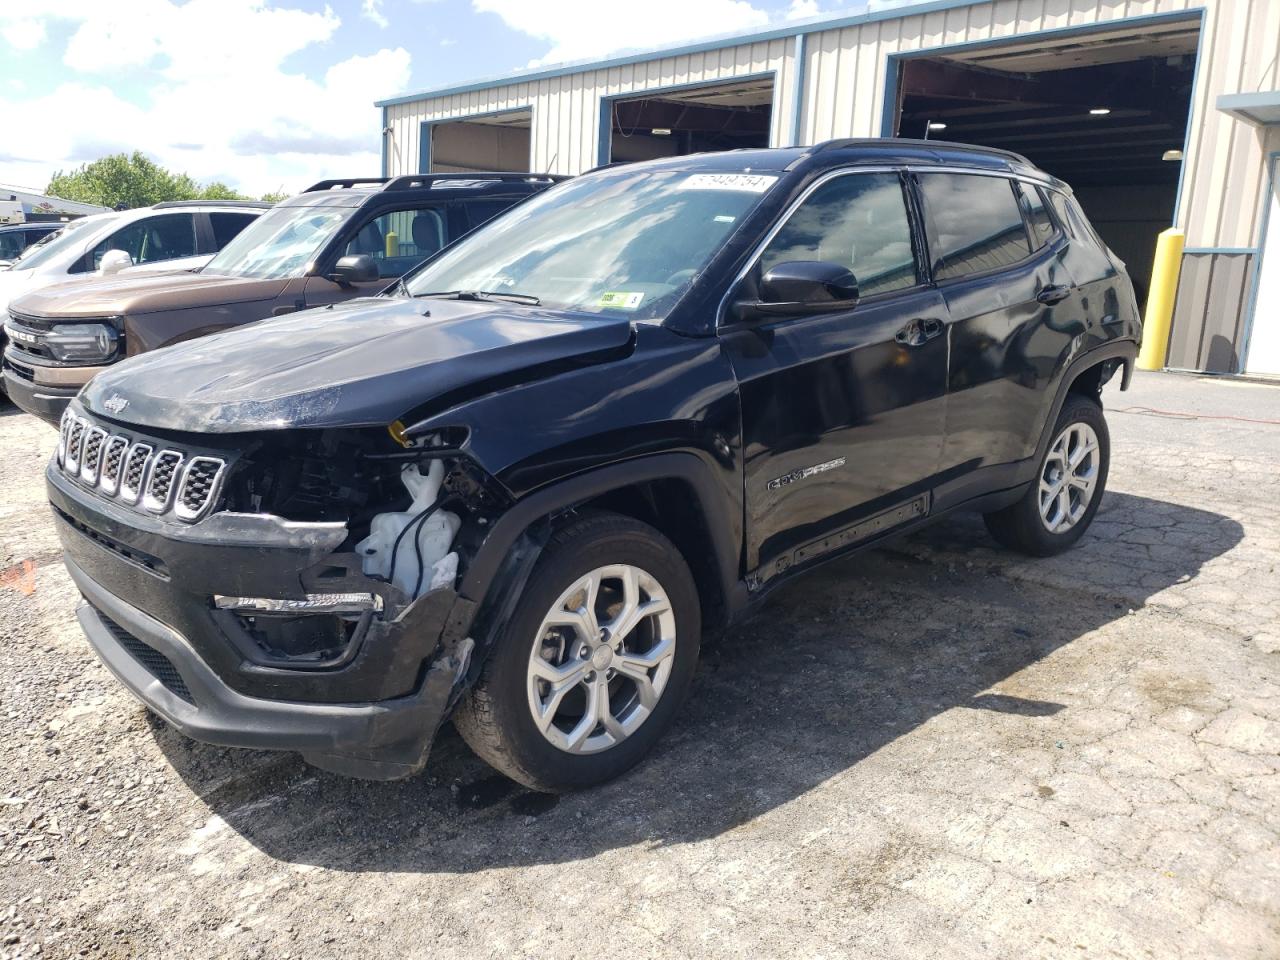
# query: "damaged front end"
290,589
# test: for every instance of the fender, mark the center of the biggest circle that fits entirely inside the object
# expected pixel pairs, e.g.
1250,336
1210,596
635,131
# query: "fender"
482,573
1125,350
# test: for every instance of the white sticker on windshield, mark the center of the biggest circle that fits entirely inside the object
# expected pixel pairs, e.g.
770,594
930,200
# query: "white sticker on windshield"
744,182
621,300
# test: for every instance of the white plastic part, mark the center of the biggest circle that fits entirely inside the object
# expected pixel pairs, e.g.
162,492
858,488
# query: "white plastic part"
434,536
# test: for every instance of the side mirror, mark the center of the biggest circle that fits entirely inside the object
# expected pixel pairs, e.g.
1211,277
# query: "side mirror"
113,261
360,268
802,286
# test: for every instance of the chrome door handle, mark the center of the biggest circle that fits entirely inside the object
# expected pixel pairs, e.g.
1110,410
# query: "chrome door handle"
1053,294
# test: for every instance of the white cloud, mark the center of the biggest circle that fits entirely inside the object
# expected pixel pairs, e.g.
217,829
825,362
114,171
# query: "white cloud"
578,29
372,10
23,34
224,107
802,9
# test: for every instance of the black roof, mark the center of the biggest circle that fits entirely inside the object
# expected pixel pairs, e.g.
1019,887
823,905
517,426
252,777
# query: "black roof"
831,153
356,191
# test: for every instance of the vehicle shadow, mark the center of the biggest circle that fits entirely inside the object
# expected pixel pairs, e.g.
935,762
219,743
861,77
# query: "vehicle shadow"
831,669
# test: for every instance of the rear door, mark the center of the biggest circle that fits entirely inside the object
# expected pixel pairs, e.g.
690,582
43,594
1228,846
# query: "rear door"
1013,311
842,413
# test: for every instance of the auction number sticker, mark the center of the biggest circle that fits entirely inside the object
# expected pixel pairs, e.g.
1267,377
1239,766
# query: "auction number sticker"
742,182
620,300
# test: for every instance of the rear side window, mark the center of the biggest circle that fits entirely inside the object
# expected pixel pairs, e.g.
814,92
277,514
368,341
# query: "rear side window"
227,225
482,211
858,221
974,224
1038,218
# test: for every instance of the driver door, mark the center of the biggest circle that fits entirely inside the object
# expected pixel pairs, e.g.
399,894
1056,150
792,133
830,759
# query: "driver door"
843,410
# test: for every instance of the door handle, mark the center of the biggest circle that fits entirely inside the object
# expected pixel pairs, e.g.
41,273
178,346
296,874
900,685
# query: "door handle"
918,331
1053,294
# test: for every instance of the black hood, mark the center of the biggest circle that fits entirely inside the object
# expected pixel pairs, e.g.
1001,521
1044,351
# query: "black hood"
365,362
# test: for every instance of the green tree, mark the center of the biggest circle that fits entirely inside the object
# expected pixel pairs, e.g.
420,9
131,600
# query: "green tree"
131,180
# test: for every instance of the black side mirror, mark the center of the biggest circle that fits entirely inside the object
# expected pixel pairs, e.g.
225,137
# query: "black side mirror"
802,286
360,268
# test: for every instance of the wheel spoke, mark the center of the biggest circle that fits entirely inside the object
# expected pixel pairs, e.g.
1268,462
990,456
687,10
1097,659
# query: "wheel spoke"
605,710
551,704
1081,452
1064,508
543,670
590,720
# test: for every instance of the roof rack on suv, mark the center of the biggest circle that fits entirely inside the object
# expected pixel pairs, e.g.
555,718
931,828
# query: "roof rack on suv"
346,183
424,180
210,203
892,142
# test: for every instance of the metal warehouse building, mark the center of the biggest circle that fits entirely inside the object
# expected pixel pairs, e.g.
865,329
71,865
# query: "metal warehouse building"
1158,112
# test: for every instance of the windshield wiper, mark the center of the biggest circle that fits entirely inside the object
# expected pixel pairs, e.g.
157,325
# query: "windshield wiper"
482,295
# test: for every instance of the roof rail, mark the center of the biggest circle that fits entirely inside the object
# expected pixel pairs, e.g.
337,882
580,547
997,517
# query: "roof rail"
347,183
427,180
210,203
889,143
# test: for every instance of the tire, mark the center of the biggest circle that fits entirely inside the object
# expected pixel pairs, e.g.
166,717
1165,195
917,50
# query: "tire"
497,719
1022,526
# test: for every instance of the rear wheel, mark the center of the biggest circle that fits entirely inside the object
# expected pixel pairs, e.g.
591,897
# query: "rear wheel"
1060,504
595,661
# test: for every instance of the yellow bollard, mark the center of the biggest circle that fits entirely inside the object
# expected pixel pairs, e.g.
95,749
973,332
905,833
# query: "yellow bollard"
1164,288
393,244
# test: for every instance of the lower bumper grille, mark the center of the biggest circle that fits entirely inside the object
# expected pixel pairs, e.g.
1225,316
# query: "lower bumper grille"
155,662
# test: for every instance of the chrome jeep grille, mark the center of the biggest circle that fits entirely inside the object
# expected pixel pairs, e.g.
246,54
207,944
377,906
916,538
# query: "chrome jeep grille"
133,472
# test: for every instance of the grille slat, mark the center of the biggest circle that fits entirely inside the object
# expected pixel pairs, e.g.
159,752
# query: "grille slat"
136,474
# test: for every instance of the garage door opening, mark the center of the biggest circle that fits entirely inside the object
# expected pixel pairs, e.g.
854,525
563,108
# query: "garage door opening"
1106,112
497,142
722,116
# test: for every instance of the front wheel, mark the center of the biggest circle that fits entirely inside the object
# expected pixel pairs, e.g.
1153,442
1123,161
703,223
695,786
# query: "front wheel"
1061,502
595,661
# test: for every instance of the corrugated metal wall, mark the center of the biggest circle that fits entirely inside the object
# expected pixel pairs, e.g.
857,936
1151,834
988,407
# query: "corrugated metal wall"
1208,320
566,109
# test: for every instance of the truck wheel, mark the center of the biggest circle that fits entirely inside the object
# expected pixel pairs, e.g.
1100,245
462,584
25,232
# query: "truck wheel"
1060,503
593,664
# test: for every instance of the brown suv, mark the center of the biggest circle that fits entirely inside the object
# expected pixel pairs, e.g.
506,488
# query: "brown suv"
337,240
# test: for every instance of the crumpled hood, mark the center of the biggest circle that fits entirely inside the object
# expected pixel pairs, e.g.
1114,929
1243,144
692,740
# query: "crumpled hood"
143,293
365,362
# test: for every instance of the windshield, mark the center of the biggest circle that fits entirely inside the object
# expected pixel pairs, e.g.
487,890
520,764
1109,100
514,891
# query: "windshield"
628,241
280,243
69,236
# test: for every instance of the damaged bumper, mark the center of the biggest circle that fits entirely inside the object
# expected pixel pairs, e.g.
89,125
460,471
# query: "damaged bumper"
150,613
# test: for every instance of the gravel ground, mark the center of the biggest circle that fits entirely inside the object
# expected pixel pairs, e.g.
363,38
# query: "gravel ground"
935,749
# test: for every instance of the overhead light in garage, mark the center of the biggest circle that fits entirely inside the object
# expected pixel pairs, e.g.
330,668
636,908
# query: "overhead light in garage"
935,125
1171,155
661,131
1099,111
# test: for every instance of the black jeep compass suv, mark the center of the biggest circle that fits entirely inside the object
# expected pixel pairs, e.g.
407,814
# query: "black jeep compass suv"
516,490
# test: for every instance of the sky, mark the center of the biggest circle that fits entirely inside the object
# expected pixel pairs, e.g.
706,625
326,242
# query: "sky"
271,95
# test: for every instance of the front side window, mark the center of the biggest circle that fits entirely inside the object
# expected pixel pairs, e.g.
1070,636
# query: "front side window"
151,240
12,243
400,239
628,241
281,243
858,221
974,224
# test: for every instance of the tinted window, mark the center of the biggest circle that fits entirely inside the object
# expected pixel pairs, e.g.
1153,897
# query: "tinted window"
12,243
151,240
974,222
227,225
482,211
401,239
1059,203
1042,228
858,221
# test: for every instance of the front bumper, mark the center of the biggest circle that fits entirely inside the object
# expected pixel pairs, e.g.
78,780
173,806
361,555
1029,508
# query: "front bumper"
39,400
148,586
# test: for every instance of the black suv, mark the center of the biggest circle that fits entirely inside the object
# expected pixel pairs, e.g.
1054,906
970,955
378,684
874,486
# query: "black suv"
517,489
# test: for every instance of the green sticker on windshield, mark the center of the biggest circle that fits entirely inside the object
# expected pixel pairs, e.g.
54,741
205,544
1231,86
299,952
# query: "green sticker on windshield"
620,300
